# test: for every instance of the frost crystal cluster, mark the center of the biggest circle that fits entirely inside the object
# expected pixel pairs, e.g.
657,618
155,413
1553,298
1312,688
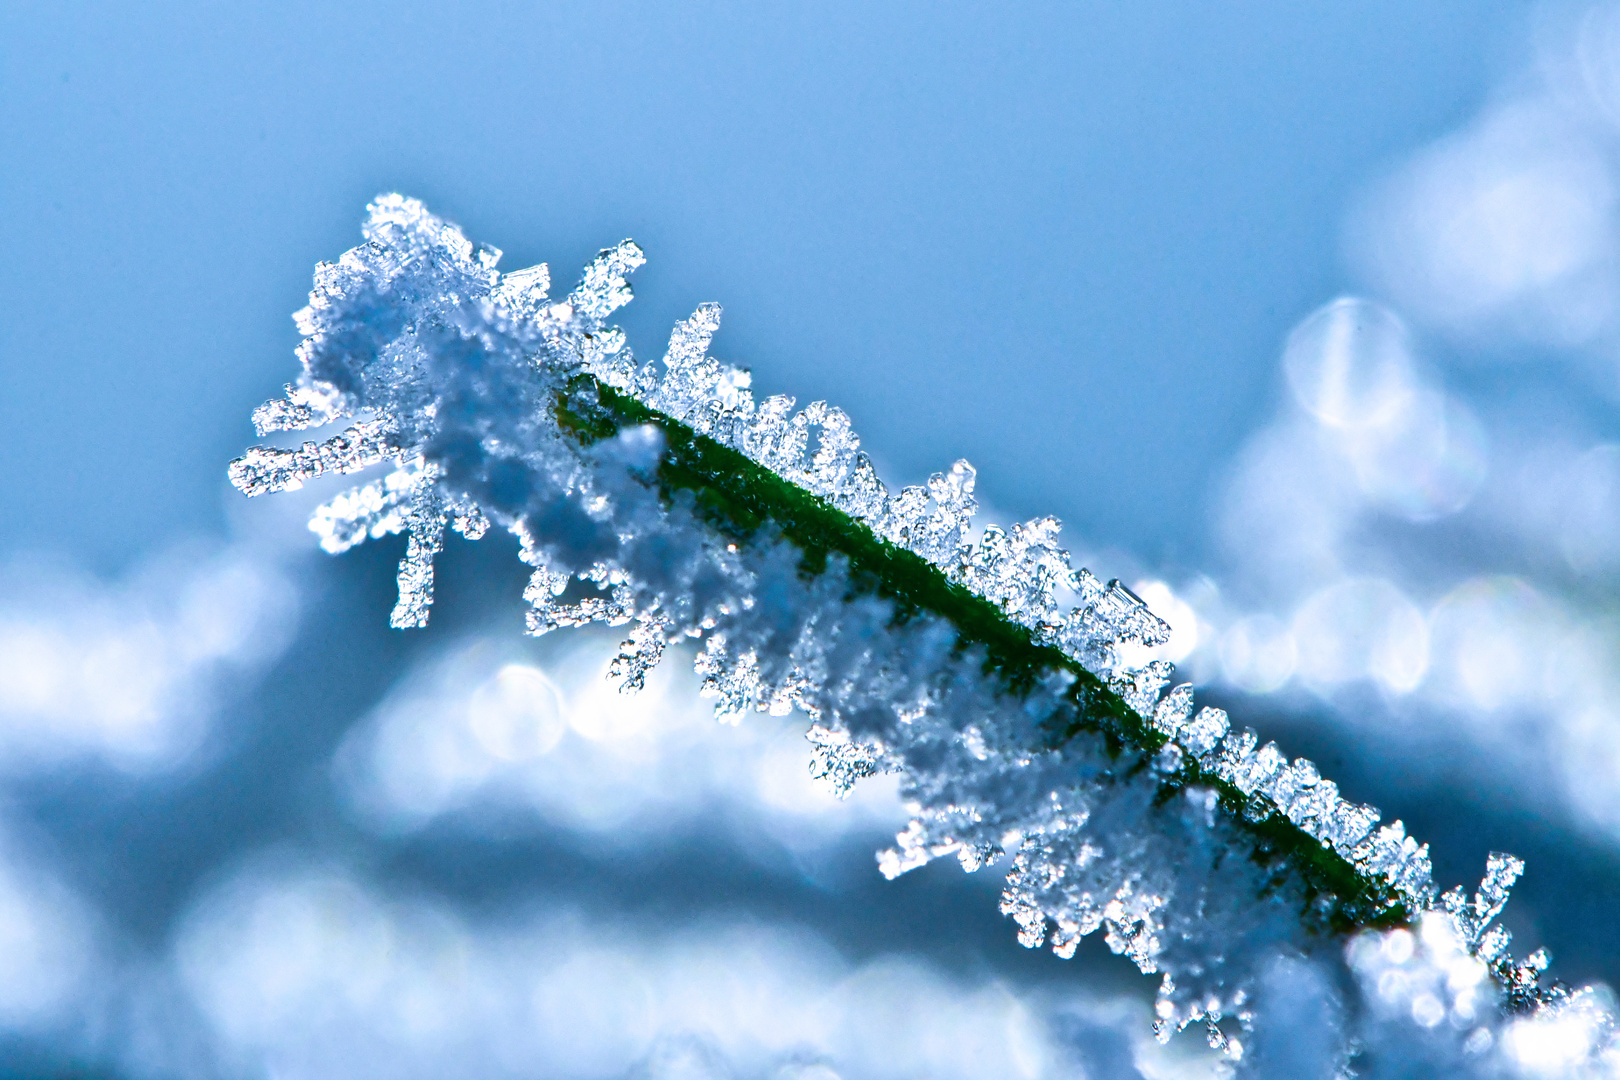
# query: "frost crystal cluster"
976,663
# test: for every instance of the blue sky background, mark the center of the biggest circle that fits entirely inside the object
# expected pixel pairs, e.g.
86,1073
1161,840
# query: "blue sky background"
969,227
1066,241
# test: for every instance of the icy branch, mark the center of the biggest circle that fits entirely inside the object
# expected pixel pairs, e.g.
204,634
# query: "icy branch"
978,664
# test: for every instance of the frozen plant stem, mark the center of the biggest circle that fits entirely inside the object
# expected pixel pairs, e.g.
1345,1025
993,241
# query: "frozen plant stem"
988,673
740,498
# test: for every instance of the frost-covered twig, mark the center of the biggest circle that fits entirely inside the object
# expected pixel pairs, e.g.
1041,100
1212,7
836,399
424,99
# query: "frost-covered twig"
981,667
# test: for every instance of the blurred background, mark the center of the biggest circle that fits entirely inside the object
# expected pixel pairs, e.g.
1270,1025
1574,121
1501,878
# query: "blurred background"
1305,320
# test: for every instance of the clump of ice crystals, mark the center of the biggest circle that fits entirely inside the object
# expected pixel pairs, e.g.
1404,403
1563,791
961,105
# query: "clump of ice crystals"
1444,998
448,375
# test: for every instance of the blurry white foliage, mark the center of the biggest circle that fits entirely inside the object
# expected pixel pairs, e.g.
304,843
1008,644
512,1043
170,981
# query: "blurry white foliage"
479,726
1349,366
303,972
1311,510
1361,628
124,671
1503,238
47,946
1373,437
1497,640
1414,450
1509,226
1505,233
1258,653
1589,533
1562,499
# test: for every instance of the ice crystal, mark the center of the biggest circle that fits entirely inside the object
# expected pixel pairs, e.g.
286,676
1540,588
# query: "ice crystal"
1120,807
264,469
